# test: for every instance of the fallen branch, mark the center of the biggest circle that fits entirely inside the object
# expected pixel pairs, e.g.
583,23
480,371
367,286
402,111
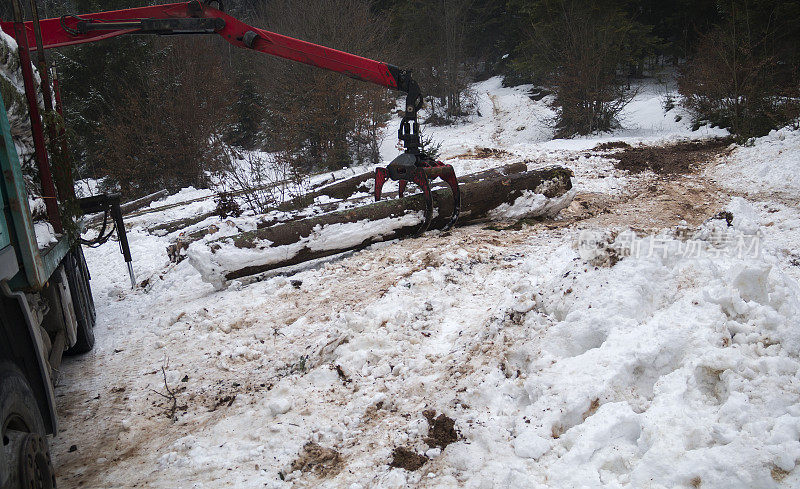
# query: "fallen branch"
169,396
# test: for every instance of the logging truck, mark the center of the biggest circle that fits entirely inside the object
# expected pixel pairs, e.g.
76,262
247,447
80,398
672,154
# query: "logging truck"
46,306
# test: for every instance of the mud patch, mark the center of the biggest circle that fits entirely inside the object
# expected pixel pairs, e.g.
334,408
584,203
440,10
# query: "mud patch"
441,430
611,145
778,474
318,459
405,458
222,400
681,157
482,153
593,407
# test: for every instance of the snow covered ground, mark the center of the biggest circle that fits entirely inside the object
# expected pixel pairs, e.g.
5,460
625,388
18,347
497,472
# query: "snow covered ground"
570,352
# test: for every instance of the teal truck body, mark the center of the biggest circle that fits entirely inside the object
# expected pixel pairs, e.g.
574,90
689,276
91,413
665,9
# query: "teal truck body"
46,310
17,234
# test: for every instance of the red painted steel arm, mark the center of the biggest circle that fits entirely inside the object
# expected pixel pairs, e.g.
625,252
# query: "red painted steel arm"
65,32
194,17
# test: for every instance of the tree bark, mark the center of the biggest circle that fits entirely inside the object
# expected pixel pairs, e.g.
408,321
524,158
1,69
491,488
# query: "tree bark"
295,242
340,190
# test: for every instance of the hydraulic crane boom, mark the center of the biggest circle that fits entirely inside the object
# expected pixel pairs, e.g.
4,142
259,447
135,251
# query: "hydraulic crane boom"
195,17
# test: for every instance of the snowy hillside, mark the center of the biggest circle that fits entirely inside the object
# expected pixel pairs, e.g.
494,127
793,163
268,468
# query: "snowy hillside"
631,342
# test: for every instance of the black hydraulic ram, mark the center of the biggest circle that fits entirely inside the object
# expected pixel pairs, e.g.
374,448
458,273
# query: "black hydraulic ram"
109,205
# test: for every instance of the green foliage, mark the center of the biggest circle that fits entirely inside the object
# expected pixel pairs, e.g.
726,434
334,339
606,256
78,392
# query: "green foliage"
430,148
677,24
94,78
248,129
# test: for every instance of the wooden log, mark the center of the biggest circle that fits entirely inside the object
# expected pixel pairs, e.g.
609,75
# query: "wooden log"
184,240
295,242
337,190
137,204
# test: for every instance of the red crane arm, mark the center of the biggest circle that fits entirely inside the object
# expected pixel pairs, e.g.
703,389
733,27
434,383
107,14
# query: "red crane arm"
194,17
197,18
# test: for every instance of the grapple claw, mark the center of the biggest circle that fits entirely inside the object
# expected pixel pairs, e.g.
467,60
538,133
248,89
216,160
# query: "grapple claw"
421,179
412,168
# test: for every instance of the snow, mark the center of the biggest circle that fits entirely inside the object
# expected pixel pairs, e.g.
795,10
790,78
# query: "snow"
45,235
771,164
14,92
532,204
570,353
528,444
214,264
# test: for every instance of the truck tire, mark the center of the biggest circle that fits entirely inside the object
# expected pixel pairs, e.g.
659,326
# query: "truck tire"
83,303
84,339
26,453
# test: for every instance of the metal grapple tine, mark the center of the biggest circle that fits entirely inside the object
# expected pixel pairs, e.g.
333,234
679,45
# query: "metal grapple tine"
419,177
381,174
448,174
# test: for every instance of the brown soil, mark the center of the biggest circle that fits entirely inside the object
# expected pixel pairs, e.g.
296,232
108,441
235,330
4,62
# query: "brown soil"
593,407
482,153
320,460
612,145
648,205
670,159
405,458
441,430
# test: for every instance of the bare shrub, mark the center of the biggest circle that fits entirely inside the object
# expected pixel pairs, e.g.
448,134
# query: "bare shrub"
264,180
320,119
739,80
580,50
168,133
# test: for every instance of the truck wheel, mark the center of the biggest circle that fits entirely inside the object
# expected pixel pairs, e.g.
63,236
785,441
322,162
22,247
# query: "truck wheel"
84,339
26,453
78,278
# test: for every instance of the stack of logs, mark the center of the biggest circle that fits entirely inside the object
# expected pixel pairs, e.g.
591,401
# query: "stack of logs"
480,193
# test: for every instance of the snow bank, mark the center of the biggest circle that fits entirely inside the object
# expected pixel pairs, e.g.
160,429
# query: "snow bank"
45,235
671,369
771,164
